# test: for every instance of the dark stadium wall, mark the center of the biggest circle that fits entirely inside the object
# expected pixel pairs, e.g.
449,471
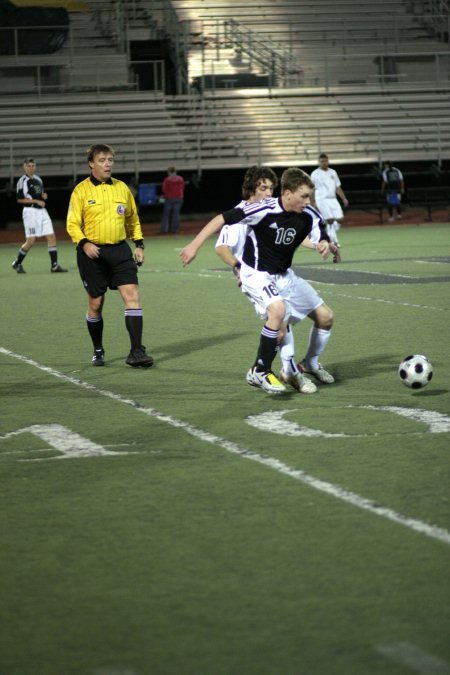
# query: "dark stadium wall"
217,190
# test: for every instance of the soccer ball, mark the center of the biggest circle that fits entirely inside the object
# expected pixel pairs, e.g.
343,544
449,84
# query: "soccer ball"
415,371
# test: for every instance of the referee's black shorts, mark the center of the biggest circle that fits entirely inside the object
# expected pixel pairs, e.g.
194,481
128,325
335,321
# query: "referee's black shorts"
114,267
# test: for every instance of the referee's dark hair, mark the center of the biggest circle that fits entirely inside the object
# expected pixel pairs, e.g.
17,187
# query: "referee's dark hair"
96,149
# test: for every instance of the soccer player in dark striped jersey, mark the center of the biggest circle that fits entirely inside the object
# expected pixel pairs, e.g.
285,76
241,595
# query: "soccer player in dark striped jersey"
259,184
276,228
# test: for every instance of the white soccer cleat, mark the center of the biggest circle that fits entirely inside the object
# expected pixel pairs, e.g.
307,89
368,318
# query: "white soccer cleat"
298,382
265,380
319,373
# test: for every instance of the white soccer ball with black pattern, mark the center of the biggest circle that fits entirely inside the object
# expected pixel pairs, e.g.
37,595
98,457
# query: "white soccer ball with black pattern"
415,371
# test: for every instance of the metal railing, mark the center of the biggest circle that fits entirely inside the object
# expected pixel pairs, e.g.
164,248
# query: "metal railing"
285,64
18,42
283,67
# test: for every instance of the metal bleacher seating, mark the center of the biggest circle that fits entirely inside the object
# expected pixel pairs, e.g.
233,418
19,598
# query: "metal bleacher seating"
344,101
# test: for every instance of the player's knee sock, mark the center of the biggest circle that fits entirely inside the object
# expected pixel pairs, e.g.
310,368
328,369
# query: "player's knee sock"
287,352
53,253
331,231
318,340
21,255
267,349
95,328
134,324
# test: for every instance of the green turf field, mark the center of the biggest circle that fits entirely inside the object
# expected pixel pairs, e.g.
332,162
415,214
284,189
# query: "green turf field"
175,521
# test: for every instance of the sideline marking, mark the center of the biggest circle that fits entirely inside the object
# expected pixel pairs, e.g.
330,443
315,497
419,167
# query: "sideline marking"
352,498
385,302
332,285
414,658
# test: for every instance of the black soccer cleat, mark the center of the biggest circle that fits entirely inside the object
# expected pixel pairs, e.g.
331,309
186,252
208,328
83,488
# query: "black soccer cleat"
58,268
18,267
98,358
138,357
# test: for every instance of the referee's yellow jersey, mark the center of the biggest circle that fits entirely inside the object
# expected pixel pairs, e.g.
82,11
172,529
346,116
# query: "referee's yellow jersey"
103,213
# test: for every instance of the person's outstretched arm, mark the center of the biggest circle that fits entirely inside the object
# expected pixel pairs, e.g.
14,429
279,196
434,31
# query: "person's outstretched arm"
189,252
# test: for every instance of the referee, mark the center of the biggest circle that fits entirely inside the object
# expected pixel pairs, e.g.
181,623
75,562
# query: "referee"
102,215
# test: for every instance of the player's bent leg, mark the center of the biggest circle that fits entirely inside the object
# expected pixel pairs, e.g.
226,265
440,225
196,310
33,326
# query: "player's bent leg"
17,263
322,316
318,340
29,242
261,374
289,373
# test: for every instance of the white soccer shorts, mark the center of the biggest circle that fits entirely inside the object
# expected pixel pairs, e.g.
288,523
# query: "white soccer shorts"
330,208
263,289
37,222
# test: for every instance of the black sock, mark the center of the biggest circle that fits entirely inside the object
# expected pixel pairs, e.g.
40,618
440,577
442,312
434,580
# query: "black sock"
267,349
53,253
134,324
95,328
20,256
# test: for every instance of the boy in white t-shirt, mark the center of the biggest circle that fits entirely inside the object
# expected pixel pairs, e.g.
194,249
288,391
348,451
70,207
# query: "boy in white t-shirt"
326,186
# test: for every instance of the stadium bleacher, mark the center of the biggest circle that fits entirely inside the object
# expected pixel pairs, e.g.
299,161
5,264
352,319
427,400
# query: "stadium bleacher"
375,82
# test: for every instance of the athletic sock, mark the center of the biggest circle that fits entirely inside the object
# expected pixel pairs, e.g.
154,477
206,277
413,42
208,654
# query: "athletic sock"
318,340
95,328
134,324
20,256
287,353
267,349
53,253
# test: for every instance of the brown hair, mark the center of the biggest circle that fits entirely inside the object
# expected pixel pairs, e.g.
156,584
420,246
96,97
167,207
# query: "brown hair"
292,178
253,176
96,149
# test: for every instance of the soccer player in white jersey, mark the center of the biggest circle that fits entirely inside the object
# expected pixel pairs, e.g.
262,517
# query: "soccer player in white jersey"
327,185
259,183
276,227
36,220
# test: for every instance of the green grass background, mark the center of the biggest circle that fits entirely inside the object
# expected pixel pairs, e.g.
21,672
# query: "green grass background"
180,558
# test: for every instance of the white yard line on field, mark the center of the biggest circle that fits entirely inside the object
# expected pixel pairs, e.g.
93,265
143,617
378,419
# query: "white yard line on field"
323,486
382,300
414,659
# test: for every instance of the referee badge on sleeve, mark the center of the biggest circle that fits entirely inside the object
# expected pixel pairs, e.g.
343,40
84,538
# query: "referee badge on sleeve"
121,210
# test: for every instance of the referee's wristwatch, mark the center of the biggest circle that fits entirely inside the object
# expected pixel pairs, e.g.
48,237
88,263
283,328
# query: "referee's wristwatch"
139,243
